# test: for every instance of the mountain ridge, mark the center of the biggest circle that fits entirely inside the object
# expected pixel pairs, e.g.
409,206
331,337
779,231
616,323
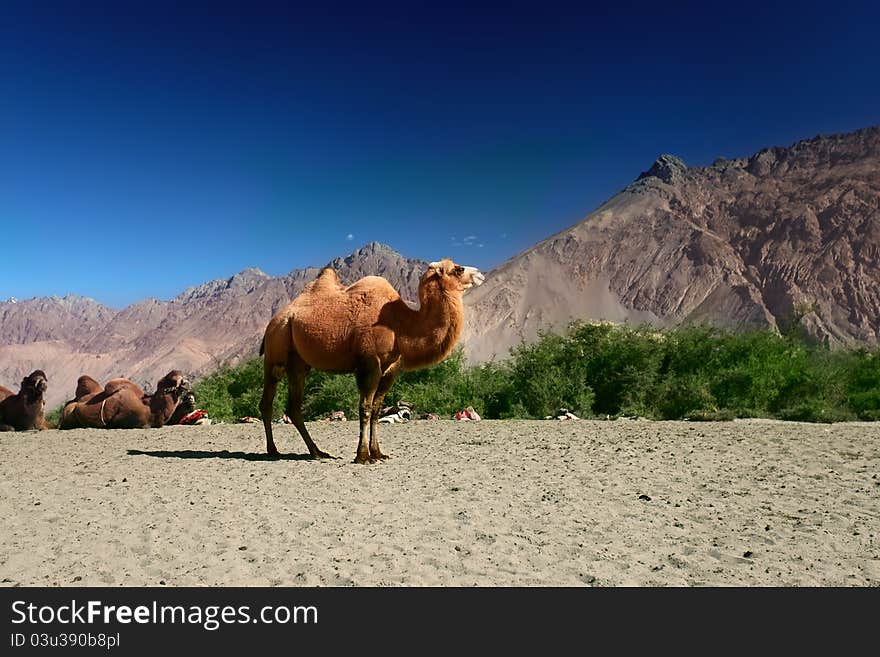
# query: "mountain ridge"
73,335
749,242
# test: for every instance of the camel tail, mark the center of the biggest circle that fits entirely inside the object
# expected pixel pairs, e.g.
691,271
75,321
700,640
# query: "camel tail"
263,346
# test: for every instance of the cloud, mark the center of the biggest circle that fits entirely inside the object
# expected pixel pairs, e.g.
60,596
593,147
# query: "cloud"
470,240
349,237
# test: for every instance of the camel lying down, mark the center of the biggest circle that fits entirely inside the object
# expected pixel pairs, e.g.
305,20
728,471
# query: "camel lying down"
24,411
122,404
367,329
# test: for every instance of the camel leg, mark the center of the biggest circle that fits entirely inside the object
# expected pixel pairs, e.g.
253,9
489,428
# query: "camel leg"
296,382
270,385
368,376
385,384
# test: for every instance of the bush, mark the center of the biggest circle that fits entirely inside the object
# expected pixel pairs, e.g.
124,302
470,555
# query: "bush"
546,376
326,393
695,372
231,393
54,416
863,385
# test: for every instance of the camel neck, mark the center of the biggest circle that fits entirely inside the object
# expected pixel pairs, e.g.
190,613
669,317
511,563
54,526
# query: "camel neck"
432,330
161,406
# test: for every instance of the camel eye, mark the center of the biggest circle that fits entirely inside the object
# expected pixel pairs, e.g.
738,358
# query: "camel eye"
459,270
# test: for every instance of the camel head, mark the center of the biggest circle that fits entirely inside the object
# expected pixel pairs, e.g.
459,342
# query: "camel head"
35,384
174,383
452,277
169,390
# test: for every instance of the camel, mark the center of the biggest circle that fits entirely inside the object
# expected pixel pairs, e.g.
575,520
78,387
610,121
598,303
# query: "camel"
365,329
122,404
24,411
185,406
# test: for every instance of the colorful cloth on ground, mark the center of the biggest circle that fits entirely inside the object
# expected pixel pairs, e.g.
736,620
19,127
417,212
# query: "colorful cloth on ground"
468,414
193,417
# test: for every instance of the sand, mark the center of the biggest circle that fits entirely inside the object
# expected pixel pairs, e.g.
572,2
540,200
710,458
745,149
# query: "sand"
491,503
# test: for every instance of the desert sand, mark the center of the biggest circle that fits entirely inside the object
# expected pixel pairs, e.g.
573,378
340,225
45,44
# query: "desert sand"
491,503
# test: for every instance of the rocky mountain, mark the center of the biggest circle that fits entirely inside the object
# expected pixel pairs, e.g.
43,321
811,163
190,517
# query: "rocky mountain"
753,242
205,326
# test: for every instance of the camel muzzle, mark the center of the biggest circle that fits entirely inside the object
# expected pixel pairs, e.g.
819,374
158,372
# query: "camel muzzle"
476,275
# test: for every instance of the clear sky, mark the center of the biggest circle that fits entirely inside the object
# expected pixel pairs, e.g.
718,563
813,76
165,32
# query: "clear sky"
146,149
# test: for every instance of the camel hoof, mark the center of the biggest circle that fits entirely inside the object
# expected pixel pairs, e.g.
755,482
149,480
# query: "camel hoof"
273,452
363,460
379,456
323,455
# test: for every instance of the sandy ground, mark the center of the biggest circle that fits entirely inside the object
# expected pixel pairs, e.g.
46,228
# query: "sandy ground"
624,503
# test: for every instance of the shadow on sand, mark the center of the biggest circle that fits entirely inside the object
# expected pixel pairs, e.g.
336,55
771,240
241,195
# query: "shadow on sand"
198,454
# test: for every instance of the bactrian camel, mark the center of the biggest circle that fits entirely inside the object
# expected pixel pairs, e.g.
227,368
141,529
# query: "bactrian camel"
367,329
24,411
122,404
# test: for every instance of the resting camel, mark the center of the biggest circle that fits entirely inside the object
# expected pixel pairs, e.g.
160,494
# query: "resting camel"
185,406
122,404
24,411
367,329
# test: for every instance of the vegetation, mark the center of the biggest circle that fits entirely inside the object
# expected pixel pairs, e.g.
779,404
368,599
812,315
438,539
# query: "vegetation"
53,417
601,370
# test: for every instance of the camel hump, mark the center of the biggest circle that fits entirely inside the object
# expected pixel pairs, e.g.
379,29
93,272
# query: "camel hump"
115,385
326,281
373,286
327,276
86,385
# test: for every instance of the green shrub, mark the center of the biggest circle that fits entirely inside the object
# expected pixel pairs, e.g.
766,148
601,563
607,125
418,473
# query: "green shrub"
863,385
326,393
54,416
231,393
547,376
695,372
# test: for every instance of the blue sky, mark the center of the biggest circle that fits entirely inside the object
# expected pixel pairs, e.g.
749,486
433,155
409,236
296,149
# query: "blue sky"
144,150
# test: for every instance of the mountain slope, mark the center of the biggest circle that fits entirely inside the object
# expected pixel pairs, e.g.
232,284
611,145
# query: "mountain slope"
751,242
207,325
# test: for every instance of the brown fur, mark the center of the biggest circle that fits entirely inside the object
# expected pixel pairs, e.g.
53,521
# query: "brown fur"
24,411
122,404
185,406
86,385
367,329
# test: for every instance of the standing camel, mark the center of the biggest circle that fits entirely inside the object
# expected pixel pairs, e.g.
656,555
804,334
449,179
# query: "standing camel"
367,329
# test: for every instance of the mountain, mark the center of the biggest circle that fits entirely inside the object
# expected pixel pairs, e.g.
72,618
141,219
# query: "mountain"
753,242
788,233
203,327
